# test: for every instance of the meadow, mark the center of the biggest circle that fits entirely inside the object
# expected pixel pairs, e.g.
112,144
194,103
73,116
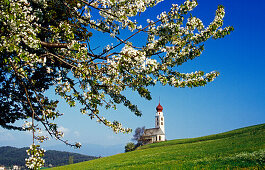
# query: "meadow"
237,149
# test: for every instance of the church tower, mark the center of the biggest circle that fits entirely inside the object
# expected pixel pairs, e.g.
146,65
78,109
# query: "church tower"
159,118
156,134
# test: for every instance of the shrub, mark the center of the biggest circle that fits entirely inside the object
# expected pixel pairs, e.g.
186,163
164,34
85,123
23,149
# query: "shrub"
130,147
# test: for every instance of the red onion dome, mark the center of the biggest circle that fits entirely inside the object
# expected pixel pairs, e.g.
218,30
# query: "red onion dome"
159,108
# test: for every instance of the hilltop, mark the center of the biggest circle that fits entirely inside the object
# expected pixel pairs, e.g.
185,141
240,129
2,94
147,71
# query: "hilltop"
241,148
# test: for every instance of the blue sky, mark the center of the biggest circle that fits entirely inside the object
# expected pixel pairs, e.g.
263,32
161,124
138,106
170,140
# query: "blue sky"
235,99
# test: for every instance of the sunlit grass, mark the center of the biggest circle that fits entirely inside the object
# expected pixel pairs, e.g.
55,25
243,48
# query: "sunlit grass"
242,148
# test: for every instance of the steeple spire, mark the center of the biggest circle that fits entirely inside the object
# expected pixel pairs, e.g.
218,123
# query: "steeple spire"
159,108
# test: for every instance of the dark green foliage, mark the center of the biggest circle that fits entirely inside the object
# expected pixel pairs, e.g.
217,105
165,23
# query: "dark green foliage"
12,156
16,156
14,102
71,159
129,147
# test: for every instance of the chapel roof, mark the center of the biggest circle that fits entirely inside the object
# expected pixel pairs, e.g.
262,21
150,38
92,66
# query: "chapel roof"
153,132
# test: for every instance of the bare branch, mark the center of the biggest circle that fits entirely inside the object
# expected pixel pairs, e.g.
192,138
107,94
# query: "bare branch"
124,41
54,45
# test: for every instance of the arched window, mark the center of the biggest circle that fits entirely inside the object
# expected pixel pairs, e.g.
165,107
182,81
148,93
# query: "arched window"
161,118
161,123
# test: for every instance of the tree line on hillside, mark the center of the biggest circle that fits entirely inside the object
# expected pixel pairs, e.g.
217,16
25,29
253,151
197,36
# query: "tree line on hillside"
16,156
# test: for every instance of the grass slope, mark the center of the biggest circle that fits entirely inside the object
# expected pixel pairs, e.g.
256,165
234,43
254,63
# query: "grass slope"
241,148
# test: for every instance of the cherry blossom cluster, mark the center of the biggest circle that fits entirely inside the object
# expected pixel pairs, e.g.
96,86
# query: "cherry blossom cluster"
53,40
121,11
134,67
35,160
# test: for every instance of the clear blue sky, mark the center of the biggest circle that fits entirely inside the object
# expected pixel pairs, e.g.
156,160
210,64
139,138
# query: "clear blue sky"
235,99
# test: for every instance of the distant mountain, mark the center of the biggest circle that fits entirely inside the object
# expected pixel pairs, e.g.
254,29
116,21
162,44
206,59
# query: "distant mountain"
16,156
90,149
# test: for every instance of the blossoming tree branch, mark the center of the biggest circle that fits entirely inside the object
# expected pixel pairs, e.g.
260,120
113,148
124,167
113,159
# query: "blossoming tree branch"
49,43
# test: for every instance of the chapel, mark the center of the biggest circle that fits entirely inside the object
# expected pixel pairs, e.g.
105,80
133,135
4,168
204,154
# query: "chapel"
156,134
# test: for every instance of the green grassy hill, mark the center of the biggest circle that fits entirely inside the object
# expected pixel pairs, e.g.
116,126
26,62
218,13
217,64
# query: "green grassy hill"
241,148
